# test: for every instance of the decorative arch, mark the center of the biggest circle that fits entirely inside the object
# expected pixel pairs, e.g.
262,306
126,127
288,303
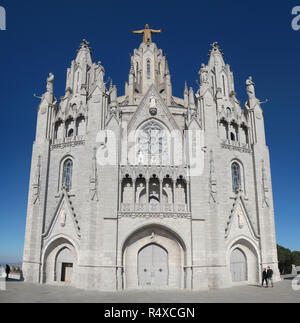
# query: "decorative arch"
165,238
53,260
80,125
252,255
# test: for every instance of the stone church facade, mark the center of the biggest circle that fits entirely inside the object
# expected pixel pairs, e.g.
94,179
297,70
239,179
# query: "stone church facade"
148,189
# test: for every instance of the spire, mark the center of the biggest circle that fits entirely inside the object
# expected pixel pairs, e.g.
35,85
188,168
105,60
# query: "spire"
191,104
84,53
186,95
216,55
215,49
191,99
110,85
186,91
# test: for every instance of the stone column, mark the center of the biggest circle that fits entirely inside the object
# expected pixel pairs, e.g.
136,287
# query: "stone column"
187,192
174,192
134,192
147,192
160,194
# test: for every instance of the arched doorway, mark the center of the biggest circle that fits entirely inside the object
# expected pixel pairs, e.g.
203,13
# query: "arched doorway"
153,266
59,262
153,256
243,261
238,266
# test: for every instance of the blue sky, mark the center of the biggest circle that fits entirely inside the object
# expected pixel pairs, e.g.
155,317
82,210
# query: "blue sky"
255,36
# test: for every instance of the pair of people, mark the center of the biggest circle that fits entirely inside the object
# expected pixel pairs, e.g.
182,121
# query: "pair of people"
267,275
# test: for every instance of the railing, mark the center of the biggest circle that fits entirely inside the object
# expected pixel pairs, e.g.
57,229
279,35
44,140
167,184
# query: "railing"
236,145
68,139
127,207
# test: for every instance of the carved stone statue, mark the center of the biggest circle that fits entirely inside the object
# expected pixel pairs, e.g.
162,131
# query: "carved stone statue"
63,217
50,81
203,75
241,219
168,191
127,194
139,190
250,88
147,33
180,196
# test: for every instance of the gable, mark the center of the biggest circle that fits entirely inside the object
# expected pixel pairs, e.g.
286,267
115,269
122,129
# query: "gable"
63,220
152,106
239,222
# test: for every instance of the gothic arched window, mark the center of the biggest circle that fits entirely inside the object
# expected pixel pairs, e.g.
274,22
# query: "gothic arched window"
152,144
67,174
148,69
236,177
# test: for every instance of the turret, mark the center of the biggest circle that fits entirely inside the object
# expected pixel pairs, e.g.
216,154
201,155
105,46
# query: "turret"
148,66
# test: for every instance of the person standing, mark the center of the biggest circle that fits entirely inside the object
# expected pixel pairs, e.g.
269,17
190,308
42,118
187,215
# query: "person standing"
264,277
7,270
270,275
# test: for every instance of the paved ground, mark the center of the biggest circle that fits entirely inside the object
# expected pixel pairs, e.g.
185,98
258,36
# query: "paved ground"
20,292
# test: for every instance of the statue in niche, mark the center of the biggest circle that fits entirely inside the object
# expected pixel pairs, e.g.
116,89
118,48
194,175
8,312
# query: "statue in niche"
127,194
168,191
139,190
180,194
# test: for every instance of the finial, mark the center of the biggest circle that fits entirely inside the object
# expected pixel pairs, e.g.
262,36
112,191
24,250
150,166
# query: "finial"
215,48
84,45
186,87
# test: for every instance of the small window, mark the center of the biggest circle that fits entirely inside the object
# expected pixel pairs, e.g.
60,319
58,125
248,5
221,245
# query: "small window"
236,177
232,136
148,69
224,89
67,174
228,112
